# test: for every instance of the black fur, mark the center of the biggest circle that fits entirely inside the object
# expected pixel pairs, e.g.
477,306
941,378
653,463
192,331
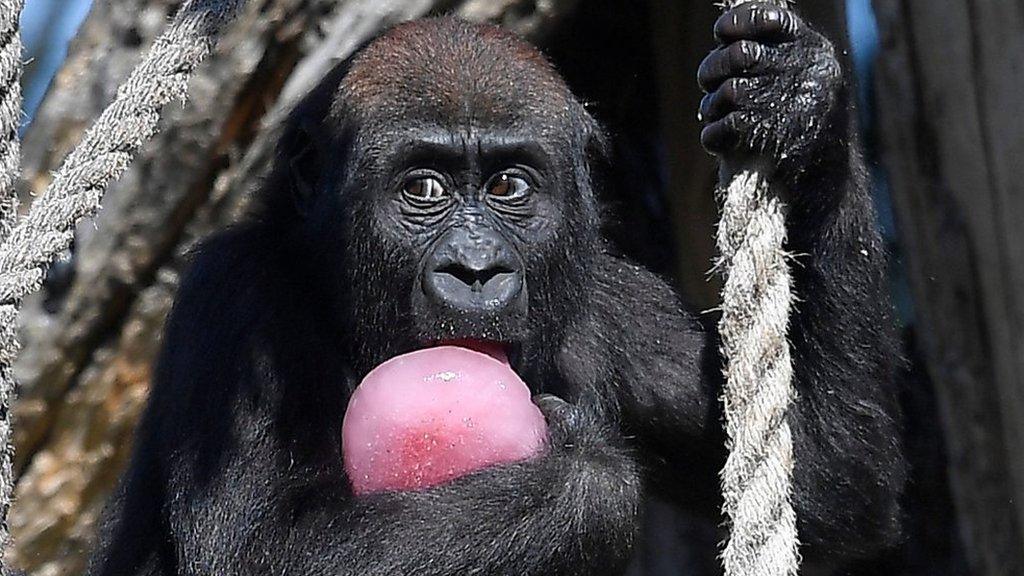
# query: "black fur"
237,468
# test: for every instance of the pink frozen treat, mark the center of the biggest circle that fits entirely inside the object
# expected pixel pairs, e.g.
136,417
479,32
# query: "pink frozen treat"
429,416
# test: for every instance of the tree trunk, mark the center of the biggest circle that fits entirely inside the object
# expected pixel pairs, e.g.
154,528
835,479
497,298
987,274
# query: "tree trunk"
951,116
90,338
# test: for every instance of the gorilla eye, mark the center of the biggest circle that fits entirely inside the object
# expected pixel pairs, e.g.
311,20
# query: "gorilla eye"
425,188
509,187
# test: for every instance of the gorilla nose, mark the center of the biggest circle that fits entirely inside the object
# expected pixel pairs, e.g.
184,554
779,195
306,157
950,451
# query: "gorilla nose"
473,272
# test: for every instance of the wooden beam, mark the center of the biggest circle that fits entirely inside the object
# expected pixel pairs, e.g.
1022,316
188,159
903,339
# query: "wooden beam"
951,120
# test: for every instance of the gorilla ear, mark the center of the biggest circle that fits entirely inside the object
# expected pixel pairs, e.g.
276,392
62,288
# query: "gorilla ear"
597,145
597,150
312,135
304,164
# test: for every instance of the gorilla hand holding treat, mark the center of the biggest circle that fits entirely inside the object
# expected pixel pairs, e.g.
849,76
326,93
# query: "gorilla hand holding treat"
423,418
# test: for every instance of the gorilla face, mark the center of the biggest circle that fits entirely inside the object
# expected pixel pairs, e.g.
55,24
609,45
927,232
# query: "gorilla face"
474,207
464,224
470,206
462,203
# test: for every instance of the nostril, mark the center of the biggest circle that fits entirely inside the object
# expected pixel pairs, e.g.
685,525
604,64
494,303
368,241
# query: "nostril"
489,274
460,272
472,277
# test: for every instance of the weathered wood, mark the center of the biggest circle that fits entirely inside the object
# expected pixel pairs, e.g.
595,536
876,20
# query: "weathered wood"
682,35
86,366
951,121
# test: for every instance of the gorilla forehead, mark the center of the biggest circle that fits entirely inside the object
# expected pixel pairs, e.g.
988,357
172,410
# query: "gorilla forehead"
450,72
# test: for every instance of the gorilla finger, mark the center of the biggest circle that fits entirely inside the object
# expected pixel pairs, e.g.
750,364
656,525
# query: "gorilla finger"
554,409
722,136
730,95
758,21
549,403
562,417
743,58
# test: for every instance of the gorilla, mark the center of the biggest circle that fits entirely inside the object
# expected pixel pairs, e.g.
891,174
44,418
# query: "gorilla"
446,160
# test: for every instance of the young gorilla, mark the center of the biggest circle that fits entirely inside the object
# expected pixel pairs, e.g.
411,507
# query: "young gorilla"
447,160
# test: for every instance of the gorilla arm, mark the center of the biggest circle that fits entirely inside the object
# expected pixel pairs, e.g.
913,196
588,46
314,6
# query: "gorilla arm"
570,512
252,421
775,89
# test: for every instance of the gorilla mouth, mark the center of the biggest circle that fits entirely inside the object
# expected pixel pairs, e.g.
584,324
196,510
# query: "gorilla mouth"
503,352
508,353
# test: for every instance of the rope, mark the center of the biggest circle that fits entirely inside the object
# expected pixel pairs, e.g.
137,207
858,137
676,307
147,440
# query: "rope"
10,111
109,146
10,151
756,300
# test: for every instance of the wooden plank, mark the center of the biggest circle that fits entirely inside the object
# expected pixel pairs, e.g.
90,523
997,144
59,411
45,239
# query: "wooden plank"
682,37
949,82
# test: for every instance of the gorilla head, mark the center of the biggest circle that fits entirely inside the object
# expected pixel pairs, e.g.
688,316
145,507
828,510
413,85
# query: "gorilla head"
452,182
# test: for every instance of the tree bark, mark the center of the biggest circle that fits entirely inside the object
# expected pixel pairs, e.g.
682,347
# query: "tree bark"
90,339
951,117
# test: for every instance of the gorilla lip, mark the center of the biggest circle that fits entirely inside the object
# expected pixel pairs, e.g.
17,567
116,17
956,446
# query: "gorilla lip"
500,351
